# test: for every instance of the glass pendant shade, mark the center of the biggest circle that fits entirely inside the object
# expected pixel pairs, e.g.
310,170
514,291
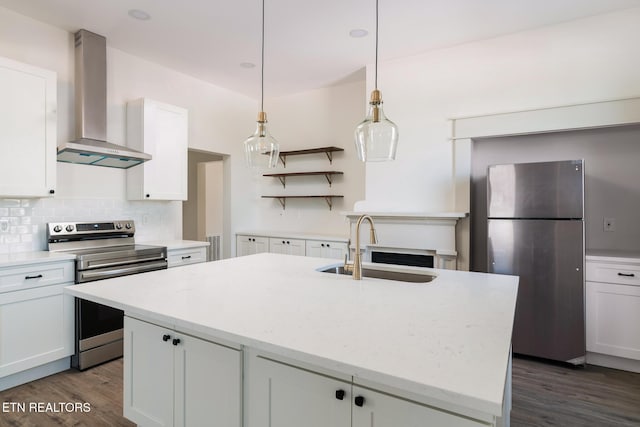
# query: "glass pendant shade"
376,136
261,150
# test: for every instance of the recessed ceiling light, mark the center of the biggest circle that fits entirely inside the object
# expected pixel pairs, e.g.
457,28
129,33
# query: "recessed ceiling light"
139,14
358,32
247,64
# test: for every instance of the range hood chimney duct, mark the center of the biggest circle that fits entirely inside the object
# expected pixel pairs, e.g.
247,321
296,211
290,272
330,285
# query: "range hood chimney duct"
90,147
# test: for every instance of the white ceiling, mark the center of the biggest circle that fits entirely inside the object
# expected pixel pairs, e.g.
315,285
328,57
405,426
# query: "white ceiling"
307,43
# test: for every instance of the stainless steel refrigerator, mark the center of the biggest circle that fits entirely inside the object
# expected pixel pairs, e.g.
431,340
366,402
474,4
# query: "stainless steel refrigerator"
536,231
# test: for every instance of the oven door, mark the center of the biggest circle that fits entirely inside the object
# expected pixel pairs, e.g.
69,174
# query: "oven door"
99,329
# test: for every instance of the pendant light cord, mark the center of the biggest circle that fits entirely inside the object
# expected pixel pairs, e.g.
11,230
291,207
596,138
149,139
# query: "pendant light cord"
376,73
262,65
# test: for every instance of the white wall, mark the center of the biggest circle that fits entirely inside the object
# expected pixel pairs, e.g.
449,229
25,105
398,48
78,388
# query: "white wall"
318,118
219,120
582,61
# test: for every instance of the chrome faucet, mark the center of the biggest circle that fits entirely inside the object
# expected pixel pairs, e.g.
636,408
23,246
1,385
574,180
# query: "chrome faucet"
356,267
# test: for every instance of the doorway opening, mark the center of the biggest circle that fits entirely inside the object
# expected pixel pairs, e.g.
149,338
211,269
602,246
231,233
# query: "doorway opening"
204,213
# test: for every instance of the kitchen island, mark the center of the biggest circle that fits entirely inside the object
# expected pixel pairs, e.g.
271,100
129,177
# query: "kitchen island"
275,335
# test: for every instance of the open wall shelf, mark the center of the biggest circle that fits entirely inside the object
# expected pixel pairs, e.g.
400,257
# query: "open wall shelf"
327,150
327,197
283,176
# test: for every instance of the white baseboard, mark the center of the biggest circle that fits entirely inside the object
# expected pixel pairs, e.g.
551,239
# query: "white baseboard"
613,362
32,374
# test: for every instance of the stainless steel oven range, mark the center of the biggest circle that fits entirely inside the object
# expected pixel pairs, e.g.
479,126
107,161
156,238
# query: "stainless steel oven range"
103,250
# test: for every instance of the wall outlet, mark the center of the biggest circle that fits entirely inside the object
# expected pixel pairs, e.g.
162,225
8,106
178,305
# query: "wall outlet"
609,224
4,225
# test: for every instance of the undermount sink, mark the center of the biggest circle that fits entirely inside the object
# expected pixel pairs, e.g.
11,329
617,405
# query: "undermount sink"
383,273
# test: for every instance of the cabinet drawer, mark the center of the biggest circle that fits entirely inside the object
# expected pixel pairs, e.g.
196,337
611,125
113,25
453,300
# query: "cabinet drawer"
186,256
624,274
32,276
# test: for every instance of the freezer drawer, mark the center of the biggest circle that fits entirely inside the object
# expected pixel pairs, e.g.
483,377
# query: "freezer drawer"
536,190
548,256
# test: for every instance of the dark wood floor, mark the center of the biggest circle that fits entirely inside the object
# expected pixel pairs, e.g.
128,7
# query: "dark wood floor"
544,394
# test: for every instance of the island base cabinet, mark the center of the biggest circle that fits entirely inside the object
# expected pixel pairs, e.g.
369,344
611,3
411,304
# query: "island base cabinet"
374,409
173,379
285,396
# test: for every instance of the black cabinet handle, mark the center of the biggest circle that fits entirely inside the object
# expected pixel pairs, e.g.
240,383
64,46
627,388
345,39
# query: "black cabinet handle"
186,257
283,242
626,274
52,191
328,245
288,242
147,196
176,341
322,244
39,276
166,338
339,394
359,401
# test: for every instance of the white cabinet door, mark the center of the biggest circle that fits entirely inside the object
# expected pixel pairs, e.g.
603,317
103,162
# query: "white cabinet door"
278,245
208,382
148,373
373,409
172,378
249,245
36,327
27,130
613,319
326,249
160,130
284,396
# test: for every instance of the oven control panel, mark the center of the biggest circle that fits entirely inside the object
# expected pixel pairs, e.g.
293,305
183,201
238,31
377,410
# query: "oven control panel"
69,229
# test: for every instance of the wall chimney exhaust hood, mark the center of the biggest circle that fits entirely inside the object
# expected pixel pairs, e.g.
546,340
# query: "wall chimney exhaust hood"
90,147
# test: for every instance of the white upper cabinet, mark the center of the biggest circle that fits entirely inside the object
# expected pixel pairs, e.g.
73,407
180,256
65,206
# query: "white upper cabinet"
160,130
27,130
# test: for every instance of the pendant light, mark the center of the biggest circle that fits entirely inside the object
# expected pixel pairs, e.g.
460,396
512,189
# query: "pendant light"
376,136
261,149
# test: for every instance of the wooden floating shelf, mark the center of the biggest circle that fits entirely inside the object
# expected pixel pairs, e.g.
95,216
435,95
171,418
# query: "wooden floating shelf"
283,199
327,150
283,176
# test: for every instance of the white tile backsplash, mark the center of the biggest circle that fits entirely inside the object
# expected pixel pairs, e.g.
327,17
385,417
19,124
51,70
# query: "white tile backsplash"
27,219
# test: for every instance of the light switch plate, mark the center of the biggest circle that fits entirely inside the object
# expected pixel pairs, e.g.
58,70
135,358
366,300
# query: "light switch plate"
609,224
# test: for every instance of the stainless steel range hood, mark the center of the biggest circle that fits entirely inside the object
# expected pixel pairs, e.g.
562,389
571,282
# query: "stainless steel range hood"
90,147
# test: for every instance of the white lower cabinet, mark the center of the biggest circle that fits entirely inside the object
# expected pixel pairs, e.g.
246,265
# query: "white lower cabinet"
186,256
36,327
613,308
327,249
174,379
284,396
287,396
36,320
286,246
249,245
613,319
375,409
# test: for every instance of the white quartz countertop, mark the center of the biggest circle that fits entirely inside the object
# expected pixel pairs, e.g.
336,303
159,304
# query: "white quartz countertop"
176,244
607,255
447,340
294,235
26,258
